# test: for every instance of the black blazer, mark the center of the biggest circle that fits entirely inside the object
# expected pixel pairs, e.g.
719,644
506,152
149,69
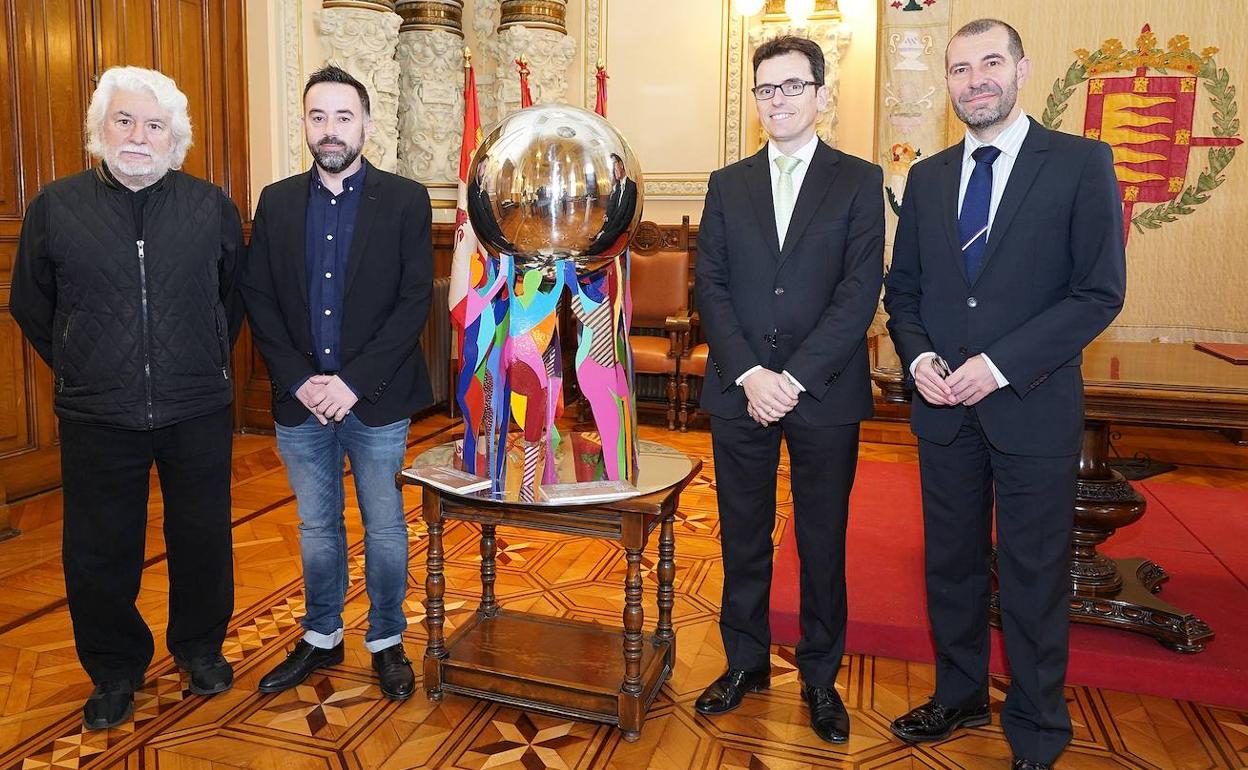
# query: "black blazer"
1053,277
805,308
389,283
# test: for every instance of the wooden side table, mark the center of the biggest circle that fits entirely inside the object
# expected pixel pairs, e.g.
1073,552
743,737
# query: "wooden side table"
569,668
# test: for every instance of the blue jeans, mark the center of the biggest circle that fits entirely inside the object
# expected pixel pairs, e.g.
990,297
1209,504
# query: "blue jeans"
313,454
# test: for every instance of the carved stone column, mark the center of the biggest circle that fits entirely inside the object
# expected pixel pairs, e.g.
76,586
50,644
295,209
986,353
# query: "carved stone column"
535,29
431,110
485,18
826,29
361,36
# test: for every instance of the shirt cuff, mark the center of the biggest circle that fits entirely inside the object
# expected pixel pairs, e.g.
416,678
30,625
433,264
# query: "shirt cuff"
996,373
294,389
800,388
920,358
748,372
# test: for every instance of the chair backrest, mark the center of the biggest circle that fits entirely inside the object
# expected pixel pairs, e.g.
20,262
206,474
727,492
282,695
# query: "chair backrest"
660,273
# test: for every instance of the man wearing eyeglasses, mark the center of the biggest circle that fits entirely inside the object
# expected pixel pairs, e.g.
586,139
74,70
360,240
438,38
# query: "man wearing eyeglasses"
790,262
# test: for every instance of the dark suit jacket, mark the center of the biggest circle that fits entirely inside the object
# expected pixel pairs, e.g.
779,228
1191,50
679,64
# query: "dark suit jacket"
1053,277
484,223
815,298
619,214
389,283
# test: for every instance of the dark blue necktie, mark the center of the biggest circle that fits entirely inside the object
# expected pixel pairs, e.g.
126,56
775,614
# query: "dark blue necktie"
973,221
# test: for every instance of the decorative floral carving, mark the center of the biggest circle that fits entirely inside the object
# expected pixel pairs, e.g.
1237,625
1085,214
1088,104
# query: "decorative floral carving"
549,55
364,42
431,112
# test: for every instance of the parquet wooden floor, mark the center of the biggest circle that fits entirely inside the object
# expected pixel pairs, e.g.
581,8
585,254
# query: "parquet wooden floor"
338,718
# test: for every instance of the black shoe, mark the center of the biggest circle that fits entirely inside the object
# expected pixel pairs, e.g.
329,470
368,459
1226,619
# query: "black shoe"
299,665
828,716
210,674
110,704
725,693
395,671
934,722
1027,764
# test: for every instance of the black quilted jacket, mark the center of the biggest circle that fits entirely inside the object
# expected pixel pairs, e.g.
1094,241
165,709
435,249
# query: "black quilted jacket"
137,327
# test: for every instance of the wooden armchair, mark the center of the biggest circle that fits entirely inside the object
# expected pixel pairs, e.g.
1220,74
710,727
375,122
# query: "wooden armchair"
660,291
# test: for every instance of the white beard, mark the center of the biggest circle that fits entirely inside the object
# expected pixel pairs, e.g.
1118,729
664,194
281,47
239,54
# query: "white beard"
136,173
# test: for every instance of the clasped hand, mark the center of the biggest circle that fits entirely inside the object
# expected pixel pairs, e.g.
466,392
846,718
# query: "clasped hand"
770,394
327,397
969,384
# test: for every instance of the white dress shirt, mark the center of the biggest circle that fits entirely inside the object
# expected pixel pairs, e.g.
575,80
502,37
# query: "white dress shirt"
1009,142
805,154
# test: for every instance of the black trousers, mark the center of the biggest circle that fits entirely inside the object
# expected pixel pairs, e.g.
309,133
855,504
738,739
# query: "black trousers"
822,461
1035,499
105,472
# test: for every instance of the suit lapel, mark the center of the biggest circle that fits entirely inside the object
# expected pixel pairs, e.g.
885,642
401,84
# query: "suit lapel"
1031,157
758,181
950,181
364,219
814,189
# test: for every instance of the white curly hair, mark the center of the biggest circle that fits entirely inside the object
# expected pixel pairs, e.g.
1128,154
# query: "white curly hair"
161,87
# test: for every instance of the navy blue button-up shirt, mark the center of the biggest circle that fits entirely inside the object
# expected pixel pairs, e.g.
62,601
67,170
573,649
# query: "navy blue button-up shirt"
331,225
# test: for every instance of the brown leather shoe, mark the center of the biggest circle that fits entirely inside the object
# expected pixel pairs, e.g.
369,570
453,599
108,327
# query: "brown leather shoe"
934,722
725,693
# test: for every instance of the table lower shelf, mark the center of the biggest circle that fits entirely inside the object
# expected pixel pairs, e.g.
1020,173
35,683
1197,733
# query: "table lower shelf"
565,667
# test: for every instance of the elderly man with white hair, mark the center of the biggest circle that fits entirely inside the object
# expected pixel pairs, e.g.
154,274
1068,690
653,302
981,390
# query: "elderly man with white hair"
125,283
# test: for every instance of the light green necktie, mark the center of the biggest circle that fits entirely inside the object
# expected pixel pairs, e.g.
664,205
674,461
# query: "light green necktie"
785,196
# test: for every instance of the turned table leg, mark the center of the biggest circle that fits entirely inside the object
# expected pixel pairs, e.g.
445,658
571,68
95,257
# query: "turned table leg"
630,692
667,593
489,604
435,589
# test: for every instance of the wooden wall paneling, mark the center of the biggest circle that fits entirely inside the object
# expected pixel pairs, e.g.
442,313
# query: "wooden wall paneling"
52,62
10,200
123,34
182,30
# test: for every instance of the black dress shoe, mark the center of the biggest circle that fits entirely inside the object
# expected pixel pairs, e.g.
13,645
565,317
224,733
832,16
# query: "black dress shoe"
395,671
934,722
210,674
828,716
1027,764
725,693
299,665
110,704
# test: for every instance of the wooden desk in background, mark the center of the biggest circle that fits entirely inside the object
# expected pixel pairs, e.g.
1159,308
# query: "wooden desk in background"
1127,383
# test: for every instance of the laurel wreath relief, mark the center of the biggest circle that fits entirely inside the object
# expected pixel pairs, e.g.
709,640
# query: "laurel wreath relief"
1178,56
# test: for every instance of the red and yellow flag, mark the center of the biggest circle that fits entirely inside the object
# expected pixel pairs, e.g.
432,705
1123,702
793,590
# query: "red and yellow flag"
467,250
526,98
600,104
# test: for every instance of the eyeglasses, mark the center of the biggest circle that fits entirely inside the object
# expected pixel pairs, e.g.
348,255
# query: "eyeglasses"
788,88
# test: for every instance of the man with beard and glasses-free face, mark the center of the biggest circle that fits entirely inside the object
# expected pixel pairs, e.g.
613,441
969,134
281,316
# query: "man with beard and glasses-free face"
790,261
1008,260
337,287
125,283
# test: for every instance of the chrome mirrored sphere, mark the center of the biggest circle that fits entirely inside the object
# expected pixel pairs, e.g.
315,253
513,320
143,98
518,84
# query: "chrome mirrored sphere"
552,182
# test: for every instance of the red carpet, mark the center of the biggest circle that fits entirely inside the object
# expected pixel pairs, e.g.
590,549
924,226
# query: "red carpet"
1199,535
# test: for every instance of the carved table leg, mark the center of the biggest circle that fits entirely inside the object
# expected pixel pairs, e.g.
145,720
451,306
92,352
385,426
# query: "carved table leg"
489,605
667,594
630,692
435,589
1117,593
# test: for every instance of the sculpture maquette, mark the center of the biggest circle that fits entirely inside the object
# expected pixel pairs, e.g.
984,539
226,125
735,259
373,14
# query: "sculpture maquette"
554,194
